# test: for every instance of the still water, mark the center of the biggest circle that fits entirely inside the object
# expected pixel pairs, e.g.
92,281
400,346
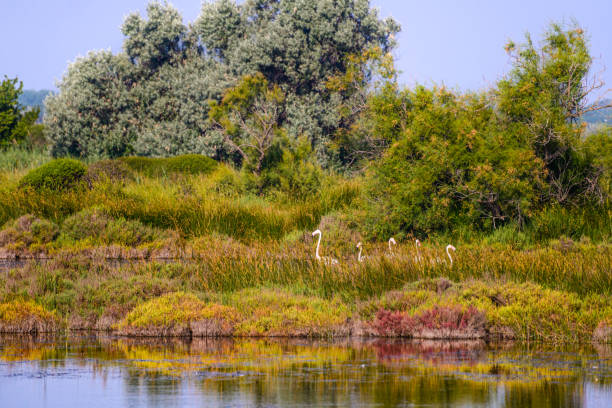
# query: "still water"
85,371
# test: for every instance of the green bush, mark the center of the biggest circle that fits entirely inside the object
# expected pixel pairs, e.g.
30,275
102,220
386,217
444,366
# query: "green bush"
100,228
452,166
190,164
28,230
58,174
108,170
186,164
594,222
84,224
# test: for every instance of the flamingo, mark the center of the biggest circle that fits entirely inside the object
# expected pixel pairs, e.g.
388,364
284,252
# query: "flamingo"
391,241
448,247
326,259
418,256
440,260
359,257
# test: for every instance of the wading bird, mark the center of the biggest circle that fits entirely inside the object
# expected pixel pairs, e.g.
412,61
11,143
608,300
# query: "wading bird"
359,257
326,259
391,241
418,256
448,247
439,260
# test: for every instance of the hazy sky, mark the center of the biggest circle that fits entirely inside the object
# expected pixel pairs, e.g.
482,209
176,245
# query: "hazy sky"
458,43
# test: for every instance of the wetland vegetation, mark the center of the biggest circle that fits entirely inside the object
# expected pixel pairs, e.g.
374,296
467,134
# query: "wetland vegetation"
205,168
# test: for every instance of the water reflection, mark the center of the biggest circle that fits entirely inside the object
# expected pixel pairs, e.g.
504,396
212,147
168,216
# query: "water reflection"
247,372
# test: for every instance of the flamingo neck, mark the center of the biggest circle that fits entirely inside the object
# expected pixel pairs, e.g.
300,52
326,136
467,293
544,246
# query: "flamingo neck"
317,251
359,258
449,255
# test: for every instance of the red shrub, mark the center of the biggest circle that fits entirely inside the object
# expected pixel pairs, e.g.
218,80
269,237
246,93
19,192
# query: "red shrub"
443,322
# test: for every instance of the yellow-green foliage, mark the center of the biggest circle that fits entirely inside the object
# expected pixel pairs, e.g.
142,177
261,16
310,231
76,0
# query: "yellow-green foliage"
175,308
18,310
98,228
27,231
251,312
278,312
515,310
185,164
58,174
25,316
191,205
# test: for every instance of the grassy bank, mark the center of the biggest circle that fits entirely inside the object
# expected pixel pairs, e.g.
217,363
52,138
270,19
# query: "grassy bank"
236,290
247,262
146,303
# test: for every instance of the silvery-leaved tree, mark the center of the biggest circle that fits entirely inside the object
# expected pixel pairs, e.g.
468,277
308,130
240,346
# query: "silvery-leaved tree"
152,99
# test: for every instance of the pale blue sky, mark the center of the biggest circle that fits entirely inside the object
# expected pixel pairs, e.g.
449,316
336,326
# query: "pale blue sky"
458,43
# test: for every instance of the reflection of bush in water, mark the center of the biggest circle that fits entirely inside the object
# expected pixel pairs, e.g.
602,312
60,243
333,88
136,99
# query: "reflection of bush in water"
298,370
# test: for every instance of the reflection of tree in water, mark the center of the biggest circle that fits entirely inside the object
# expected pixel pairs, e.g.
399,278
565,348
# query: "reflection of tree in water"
346,372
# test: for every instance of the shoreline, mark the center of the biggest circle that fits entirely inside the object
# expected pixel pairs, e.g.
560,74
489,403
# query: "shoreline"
425,310
342,337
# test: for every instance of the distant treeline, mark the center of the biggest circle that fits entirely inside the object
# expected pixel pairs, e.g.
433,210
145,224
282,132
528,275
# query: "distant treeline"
33,98
599,116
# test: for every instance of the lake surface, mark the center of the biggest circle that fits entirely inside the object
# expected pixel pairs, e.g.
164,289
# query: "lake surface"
89,371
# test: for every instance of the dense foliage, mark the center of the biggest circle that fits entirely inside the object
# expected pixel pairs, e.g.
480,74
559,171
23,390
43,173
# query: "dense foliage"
451,165
481,161
58,174
150,99
294,93
15,120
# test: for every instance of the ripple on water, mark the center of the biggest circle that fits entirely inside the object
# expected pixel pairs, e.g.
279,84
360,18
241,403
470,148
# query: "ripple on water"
277,372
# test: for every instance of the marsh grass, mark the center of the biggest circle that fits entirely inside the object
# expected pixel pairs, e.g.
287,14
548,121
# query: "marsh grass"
245,247
281,290
25,316
226,265
20,160
190,205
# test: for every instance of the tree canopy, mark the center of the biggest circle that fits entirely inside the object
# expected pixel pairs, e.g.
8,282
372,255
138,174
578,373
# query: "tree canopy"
286,89
151,99
15,119
488,159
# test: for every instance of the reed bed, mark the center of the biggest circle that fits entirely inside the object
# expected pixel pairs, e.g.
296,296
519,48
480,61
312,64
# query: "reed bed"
228,266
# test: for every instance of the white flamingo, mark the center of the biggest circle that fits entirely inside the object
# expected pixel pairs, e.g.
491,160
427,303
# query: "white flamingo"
439,260
449,247
391,241
359,257
418,256
326,259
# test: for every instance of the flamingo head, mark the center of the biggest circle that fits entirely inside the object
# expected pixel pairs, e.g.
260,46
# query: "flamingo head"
359,245
450,247
316,232
417,243
392,241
